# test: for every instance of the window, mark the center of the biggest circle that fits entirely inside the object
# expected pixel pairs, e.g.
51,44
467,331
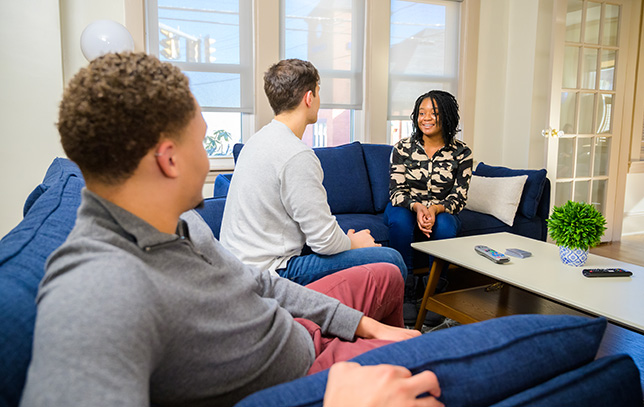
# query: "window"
330,34
423,56
211,41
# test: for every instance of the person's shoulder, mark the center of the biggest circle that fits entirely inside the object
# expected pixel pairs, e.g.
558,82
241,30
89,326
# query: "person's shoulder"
404,145
85,263
460,148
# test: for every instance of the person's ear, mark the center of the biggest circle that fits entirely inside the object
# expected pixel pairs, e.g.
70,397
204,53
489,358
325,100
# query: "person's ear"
166,158
308,98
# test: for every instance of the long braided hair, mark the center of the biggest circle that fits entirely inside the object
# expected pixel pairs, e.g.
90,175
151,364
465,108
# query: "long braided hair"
446,106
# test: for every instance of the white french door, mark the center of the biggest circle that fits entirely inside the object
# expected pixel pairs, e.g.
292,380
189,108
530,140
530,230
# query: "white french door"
590,53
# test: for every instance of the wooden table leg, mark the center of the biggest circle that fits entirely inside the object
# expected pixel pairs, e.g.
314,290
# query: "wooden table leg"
434,277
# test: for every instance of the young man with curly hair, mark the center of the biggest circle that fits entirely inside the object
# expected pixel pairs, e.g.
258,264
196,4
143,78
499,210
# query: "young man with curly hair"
141,304
277,204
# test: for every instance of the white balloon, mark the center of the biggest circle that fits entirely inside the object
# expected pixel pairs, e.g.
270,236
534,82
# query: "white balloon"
103,36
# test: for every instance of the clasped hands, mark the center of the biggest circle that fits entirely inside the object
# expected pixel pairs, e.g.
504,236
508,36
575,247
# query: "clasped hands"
426,217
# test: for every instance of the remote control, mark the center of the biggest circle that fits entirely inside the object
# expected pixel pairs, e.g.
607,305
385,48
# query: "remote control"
491,254
518,253
612,272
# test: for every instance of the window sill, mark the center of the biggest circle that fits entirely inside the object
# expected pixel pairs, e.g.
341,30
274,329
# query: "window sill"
222,164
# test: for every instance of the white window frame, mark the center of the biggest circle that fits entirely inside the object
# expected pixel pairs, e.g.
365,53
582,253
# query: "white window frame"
245,69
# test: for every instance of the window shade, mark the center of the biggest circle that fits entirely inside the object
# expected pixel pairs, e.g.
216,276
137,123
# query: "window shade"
423,52
330,34
211,41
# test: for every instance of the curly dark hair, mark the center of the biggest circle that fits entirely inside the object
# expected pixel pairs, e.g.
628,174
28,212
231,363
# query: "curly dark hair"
446,106
286,82
114,111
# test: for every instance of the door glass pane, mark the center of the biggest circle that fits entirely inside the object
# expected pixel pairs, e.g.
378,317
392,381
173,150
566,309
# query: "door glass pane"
582,191
607,69
571,62
567,115
573,20
565,157
605,114
611,24
589,68
586,108
593,14
602,155
598,197
563,193
584,147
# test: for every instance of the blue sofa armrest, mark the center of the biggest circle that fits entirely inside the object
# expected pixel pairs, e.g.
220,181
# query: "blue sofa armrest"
222,184
212,212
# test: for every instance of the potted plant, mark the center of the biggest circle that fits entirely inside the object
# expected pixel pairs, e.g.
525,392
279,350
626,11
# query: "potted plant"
575,227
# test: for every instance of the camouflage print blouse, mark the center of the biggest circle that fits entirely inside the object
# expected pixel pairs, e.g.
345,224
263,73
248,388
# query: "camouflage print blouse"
443,179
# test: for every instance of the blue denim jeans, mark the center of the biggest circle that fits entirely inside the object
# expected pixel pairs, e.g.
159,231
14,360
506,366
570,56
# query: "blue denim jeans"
403,231
306,269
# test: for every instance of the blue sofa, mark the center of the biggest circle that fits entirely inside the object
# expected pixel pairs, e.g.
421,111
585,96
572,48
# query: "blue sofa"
356,178
540,343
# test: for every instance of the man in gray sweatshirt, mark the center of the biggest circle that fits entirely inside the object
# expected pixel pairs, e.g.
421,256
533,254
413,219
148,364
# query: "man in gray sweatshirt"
277,203
141,304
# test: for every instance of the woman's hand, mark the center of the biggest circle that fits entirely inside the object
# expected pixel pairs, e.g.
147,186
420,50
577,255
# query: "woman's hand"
425,218
369,328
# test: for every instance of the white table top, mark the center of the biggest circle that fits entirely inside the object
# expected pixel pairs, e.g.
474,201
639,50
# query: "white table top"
620,299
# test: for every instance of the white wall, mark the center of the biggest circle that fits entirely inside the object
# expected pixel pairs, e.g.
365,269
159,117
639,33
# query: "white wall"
31,85
508,72
634,205
75,15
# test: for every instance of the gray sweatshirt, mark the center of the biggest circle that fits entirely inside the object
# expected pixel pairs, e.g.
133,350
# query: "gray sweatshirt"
277,202
129,316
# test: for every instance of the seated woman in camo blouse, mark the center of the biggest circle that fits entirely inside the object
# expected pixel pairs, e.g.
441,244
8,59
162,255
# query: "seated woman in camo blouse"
429,177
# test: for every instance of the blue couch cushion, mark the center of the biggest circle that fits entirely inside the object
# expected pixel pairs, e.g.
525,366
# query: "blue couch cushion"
532,189
50,216
358,221
345,178
485,362
614,375
212,213
377,158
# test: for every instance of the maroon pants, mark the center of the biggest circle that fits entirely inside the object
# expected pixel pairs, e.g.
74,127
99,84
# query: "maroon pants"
376,290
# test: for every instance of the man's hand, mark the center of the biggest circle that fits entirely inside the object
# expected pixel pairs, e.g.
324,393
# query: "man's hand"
350,384
369,328
361,239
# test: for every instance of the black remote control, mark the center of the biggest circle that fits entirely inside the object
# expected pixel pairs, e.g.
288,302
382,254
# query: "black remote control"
612,272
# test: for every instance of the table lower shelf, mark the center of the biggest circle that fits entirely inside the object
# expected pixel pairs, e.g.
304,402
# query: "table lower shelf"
482,303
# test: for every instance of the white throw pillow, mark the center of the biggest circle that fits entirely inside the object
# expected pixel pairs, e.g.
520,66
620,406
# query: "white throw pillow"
496,196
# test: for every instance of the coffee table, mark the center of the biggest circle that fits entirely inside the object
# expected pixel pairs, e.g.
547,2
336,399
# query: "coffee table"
540,284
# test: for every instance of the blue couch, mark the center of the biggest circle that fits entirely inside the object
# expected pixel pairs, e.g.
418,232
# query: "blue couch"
540,343
356,178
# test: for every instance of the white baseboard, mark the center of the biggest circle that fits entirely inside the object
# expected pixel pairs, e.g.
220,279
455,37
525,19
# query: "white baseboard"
633,223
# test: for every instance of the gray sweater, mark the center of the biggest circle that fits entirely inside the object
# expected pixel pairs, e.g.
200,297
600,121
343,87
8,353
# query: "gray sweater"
129,316
277,202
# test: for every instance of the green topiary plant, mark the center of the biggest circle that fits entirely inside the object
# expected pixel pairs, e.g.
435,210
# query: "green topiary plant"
576,225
